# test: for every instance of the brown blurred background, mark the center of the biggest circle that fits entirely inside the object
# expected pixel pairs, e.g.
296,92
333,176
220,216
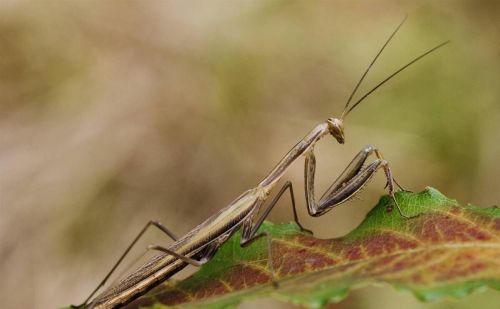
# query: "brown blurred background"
113,113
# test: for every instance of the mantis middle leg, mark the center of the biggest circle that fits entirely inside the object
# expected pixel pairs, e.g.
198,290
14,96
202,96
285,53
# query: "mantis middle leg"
249,230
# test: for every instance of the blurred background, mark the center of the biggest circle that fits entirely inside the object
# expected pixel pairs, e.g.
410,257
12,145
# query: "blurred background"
114,113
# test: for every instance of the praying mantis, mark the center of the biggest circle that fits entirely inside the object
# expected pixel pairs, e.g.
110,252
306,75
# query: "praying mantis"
247,213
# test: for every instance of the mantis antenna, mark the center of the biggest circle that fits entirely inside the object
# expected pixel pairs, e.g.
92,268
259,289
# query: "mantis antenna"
371,64
347,110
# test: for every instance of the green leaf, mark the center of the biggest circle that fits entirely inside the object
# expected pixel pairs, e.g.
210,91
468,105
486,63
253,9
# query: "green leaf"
449,250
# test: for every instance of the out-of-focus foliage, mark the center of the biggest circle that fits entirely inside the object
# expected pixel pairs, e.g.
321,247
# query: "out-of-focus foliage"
113,113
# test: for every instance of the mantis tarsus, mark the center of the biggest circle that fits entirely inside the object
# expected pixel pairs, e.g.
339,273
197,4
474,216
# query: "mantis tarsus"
200,244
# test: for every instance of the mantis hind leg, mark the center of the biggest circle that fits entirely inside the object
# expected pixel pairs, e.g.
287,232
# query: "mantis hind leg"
151,223
350,181
203,257
207,251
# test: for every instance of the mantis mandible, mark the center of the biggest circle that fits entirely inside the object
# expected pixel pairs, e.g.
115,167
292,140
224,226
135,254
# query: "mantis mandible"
200,244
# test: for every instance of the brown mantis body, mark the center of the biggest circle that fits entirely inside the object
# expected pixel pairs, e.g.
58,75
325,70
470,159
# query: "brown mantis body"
200,244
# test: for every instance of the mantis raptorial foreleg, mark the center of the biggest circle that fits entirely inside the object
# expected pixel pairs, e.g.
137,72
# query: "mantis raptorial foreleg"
350,181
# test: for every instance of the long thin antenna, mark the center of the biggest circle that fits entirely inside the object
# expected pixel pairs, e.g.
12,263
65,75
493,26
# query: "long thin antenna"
394,74
371,64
